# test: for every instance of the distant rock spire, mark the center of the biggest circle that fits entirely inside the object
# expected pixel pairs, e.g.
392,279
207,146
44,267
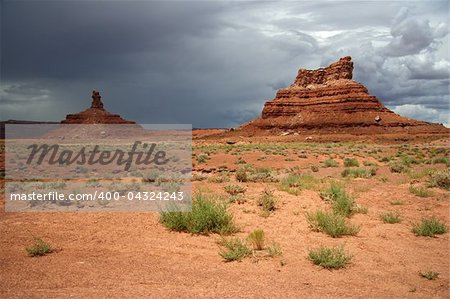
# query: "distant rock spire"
96,100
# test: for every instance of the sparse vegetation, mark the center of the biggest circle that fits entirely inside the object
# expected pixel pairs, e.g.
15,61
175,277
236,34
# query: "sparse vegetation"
330,163
294,183
359,172
429,227
331,223
257,239
234,249
39,248
390,217
330,257
350,162
235,189
430,275
208,215
274,250
440,179
267,201
420,191
398,166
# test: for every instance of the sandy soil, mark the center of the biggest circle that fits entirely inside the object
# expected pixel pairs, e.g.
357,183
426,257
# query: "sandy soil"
116,255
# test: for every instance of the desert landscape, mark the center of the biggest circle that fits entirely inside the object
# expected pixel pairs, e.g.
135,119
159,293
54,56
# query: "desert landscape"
327,194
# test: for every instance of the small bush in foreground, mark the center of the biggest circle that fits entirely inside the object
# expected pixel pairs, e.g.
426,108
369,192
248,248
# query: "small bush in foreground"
207,216
235,249
294,183
351,162
390,217
234,189
39,248
420,191
330,223
341,202
429,227
274,250
359,172
256,238
330,257
330,163
430,275
440,179
398,166
267,201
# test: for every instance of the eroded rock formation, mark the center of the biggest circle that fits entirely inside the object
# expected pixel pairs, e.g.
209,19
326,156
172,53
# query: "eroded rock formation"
96,114
328,98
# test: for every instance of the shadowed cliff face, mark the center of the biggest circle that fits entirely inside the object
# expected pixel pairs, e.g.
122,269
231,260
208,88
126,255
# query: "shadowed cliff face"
328,98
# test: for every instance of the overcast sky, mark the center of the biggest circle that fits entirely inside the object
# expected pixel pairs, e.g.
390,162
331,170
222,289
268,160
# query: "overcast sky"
214,64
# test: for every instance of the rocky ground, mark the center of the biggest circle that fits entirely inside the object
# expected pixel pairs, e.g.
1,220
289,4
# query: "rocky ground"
120,255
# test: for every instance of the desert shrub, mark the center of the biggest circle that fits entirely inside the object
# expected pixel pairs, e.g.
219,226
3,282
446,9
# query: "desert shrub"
257,239
350,162
330,257
358,172
207,216
429,227
430,275
39,248
390,217
369,163
234,249
330,163
314,168
294,183
235,189
330,223
198,177
221,178
440,179
274,250
267,201
341,202
240,160
248,173
398,166
441,160
396,202
202,158
420,191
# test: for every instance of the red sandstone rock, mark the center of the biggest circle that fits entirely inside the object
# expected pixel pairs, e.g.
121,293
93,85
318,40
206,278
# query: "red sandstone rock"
328,99
95,115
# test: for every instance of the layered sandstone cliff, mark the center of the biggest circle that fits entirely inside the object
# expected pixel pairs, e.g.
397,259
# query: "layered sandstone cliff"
328,99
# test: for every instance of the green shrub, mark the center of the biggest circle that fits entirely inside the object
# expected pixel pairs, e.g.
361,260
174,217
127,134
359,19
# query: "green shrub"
294,183
207,216
256,238
440,179
330,257
234,189
351,162
420,191
202,158
241,175
441,160
330,223
330,163
235,249
341,202
369,163
267,201
430,275
429,227
39,248
274,250
358,172
390,217
398,166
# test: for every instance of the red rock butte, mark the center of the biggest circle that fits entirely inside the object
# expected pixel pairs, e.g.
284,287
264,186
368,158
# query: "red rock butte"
96,114
328,100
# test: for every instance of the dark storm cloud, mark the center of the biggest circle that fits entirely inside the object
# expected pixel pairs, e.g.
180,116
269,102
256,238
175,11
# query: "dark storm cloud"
212,64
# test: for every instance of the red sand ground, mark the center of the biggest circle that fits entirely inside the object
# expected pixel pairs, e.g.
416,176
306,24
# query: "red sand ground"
132,255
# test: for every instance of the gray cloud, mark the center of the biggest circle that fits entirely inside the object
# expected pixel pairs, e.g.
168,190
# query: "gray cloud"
212,64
